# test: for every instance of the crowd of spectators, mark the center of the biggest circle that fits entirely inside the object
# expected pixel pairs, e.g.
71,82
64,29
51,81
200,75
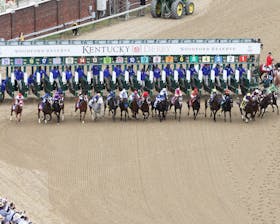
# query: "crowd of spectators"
9,214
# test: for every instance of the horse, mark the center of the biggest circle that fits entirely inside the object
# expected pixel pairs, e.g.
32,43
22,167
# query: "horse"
153,108
18,111
46,108
264,103
134,107
113,106
96,107
215,105
226,107
177,102
195,106
145,109
83,110
261,70
251,108
162,108
274,102
124,108
56,107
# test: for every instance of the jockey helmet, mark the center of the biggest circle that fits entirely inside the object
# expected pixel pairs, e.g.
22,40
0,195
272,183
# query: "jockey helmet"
214,91
135,92
248,94
164,90
20,94
145,94
98,94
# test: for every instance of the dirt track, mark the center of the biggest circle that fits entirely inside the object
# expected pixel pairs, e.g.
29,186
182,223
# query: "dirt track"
197,172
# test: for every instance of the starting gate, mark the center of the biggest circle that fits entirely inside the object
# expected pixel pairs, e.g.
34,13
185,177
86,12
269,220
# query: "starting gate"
28,66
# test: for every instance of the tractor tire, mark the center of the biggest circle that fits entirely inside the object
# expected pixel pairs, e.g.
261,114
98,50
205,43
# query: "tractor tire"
177,9
156,8
189,8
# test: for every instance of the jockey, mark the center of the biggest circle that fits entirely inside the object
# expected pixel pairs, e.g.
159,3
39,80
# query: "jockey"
45,97
161,96
194,94
57,96
111,95
225,96
123,94
178,93
145,95
96,99
81,97
245,100
18,100
212,95
134,96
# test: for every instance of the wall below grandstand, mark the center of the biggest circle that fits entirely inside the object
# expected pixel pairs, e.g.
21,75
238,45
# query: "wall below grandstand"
46,15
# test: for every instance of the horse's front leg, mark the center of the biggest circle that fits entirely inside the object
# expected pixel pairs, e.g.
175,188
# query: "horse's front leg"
11,116
246,117
175,113
225,116
180,111
214,113
39,120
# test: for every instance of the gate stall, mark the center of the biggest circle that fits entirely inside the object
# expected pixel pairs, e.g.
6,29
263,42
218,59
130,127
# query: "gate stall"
129,62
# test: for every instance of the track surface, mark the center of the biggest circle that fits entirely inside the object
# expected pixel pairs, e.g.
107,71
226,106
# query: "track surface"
197,172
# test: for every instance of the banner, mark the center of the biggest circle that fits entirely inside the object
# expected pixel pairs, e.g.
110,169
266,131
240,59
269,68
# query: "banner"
130,49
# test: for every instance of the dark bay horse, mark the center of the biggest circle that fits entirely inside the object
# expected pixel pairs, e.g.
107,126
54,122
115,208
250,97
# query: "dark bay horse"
274,102
178,104
227,106
113,106
145,109
162,108
215,105
18,112
57,108
124,108
251,108
264,103
46,109
195,106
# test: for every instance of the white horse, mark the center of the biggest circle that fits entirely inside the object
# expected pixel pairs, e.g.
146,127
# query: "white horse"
96,106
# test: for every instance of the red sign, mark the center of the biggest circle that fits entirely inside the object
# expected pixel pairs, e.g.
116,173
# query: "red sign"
82,60
243,58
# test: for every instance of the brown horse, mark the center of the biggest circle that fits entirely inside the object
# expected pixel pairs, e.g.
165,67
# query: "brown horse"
18,111
145,109
46,109
177,102
134,108
83,110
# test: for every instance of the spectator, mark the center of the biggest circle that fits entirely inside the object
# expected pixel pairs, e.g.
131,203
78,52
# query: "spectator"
142,11
21,37
75,31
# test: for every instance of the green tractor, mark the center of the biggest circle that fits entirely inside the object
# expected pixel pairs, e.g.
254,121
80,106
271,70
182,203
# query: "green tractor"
175,9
